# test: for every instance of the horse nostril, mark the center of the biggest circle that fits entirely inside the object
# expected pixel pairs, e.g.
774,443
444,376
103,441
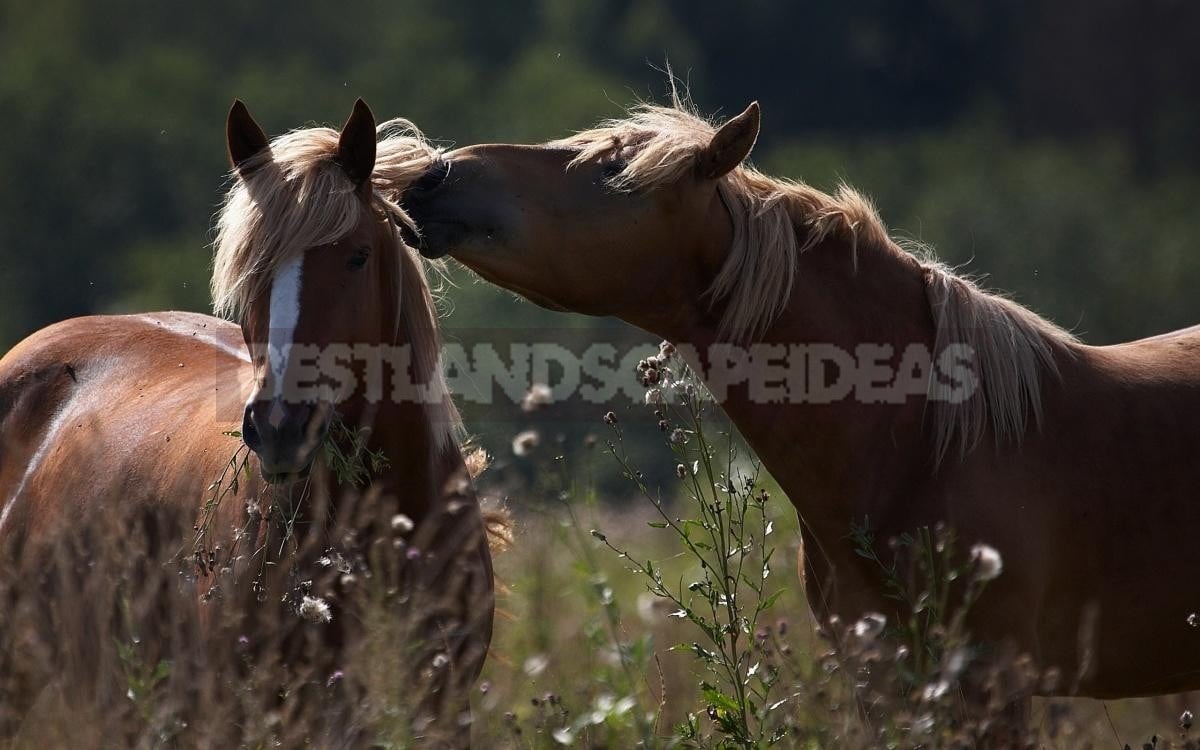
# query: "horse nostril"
250,434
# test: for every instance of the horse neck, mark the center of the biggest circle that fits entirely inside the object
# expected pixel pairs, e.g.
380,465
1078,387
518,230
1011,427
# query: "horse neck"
421,460
827,455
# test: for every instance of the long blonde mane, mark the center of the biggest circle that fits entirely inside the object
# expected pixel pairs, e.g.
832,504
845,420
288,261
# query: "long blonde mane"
297,197
775,221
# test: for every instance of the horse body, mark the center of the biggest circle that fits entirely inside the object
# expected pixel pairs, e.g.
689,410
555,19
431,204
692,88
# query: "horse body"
138,418
1089,508
128,405
1076,463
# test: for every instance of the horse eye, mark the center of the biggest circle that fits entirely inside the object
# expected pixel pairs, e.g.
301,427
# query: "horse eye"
360,259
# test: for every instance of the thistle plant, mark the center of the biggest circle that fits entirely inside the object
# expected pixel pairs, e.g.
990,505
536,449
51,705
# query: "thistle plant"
935,588
726,538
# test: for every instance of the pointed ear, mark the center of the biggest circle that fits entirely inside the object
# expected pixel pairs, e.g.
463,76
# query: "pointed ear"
730,145
356,145
243,137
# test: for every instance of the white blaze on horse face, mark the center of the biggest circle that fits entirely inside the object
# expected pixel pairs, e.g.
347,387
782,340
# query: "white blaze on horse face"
285,313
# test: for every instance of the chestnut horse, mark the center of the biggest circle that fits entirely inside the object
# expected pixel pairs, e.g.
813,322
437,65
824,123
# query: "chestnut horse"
140,409
1077,463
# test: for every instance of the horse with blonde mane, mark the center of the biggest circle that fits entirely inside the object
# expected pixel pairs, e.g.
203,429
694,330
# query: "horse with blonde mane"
349,476
1075,462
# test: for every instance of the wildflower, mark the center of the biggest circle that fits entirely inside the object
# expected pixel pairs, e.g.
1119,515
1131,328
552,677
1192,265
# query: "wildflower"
335,678
666,350
987,562
476,461
440,660
524,443
870,626
654,396
923,724
413,553
1193,620
957,662
679,436
401,524
537,396
663,425
535,665
315,609
334,559
1185,720
610,418
935,690
650,607
681,471
599,535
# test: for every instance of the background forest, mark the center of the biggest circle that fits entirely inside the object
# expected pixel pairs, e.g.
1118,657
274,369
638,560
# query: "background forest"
1056,146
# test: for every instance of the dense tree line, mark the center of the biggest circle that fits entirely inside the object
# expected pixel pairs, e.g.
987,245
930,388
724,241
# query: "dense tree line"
1053,143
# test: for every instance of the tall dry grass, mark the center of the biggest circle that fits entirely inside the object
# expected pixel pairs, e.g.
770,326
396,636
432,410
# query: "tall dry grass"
630,636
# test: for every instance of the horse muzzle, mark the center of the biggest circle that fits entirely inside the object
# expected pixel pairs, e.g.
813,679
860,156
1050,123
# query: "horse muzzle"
285,436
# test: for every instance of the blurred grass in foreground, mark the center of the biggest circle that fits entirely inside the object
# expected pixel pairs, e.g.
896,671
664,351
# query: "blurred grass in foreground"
101,642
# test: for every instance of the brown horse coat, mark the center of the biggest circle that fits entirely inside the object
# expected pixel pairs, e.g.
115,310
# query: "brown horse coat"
1077,463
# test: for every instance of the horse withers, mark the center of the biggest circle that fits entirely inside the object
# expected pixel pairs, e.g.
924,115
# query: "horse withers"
340,548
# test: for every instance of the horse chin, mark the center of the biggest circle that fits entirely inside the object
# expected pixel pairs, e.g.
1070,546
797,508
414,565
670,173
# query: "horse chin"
286,475
499,279
428,252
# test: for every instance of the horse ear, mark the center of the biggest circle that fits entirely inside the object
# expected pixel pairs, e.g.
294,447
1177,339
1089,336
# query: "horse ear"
356,145
243,137
731,144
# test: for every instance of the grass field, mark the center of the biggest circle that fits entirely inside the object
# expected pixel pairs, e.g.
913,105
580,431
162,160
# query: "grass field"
613,629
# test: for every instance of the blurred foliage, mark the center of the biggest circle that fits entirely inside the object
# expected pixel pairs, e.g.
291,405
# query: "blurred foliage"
1054,145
